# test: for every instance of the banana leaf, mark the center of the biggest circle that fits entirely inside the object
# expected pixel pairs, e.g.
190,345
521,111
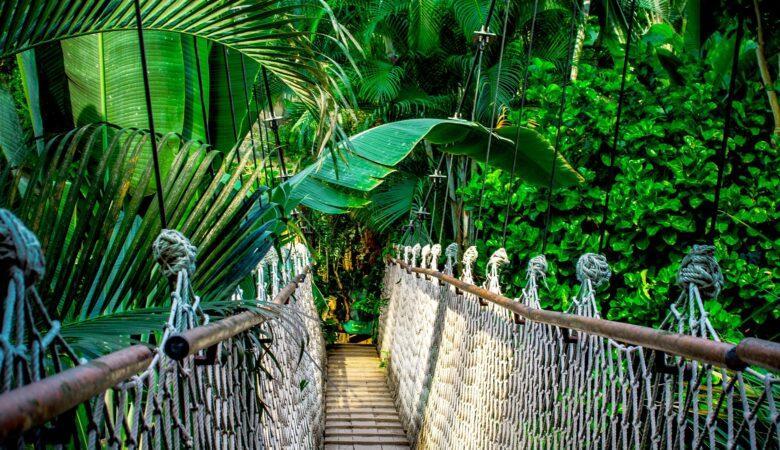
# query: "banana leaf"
12,145
341,182
271,32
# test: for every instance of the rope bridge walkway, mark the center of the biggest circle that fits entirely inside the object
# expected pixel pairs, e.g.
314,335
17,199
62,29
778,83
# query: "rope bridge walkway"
359,409
465,366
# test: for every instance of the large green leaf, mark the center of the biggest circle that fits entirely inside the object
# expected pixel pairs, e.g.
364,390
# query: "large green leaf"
29,73
56,111
391,201
114,92
389,144
12,145
271,32
221,119
368,157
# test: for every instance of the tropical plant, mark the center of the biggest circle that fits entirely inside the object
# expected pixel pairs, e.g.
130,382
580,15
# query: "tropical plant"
663,189
96,226
87,189
272,33
334,185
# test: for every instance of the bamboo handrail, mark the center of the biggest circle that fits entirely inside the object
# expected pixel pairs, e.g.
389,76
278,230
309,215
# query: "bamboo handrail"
180,345
32,405
749,351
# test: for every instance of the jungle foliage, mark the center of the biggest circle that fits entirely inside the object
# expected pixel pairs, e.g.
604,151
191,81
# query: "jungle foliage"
662,193
666,169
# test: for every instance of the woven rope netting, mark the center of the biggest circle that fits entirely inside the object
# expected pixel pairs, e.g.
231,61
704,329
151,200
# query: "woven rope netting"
471,375
262,390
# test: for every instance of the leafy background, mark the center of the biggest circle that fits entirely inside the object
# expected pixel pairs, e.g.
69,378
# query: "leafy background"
665,167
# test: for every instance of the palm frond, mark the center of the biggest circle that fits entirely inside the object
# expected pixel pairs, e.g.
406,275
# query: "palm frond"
96,224
391,202
381,81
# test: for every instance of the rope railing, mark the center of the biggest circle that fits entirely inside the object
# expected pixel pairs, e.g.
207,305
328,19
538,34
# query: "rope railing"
251,380
471,368
749,351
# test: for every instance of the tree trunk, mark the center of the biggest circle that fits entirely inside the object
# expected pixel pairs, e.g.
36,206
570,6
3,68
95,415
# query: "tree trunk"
580,41
763,67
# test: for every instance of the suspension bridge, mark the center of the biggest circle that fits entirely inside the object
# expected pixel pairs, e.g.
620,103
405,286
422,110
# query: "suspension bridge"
461,365
457,364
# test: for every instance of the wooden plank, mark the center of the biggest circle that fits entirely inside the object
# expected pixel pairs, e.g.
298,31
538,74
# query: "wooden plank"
360,411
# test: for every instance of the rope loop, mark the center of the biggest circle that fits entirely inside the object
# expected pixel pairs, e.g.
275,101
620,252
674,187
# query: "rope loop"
537,267
699,267
593,267
498,259
415,254
19,248
435,252
451,253
469,257
174,253
426,252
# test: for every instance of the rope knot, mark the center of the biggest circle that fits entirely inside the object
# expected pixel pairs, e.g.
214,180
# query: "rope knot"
497,259
435,252
174,253
415,254
451,253
469,257
593,267
537,267
20,248
426,251
701,268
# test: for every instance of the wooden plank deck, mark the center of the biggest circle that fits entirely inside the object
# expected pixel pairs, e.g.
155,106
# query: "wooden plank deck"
359,410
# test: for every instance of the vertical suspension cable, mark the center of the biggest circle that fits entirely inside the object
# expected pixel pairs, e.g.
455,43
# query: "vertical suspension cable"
433,212
203,111
430,187
249,122
475,60
231,101
150,116
723,150
616,134
262,130
446,199
492,117
523,89
274,126
477,78
561,108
